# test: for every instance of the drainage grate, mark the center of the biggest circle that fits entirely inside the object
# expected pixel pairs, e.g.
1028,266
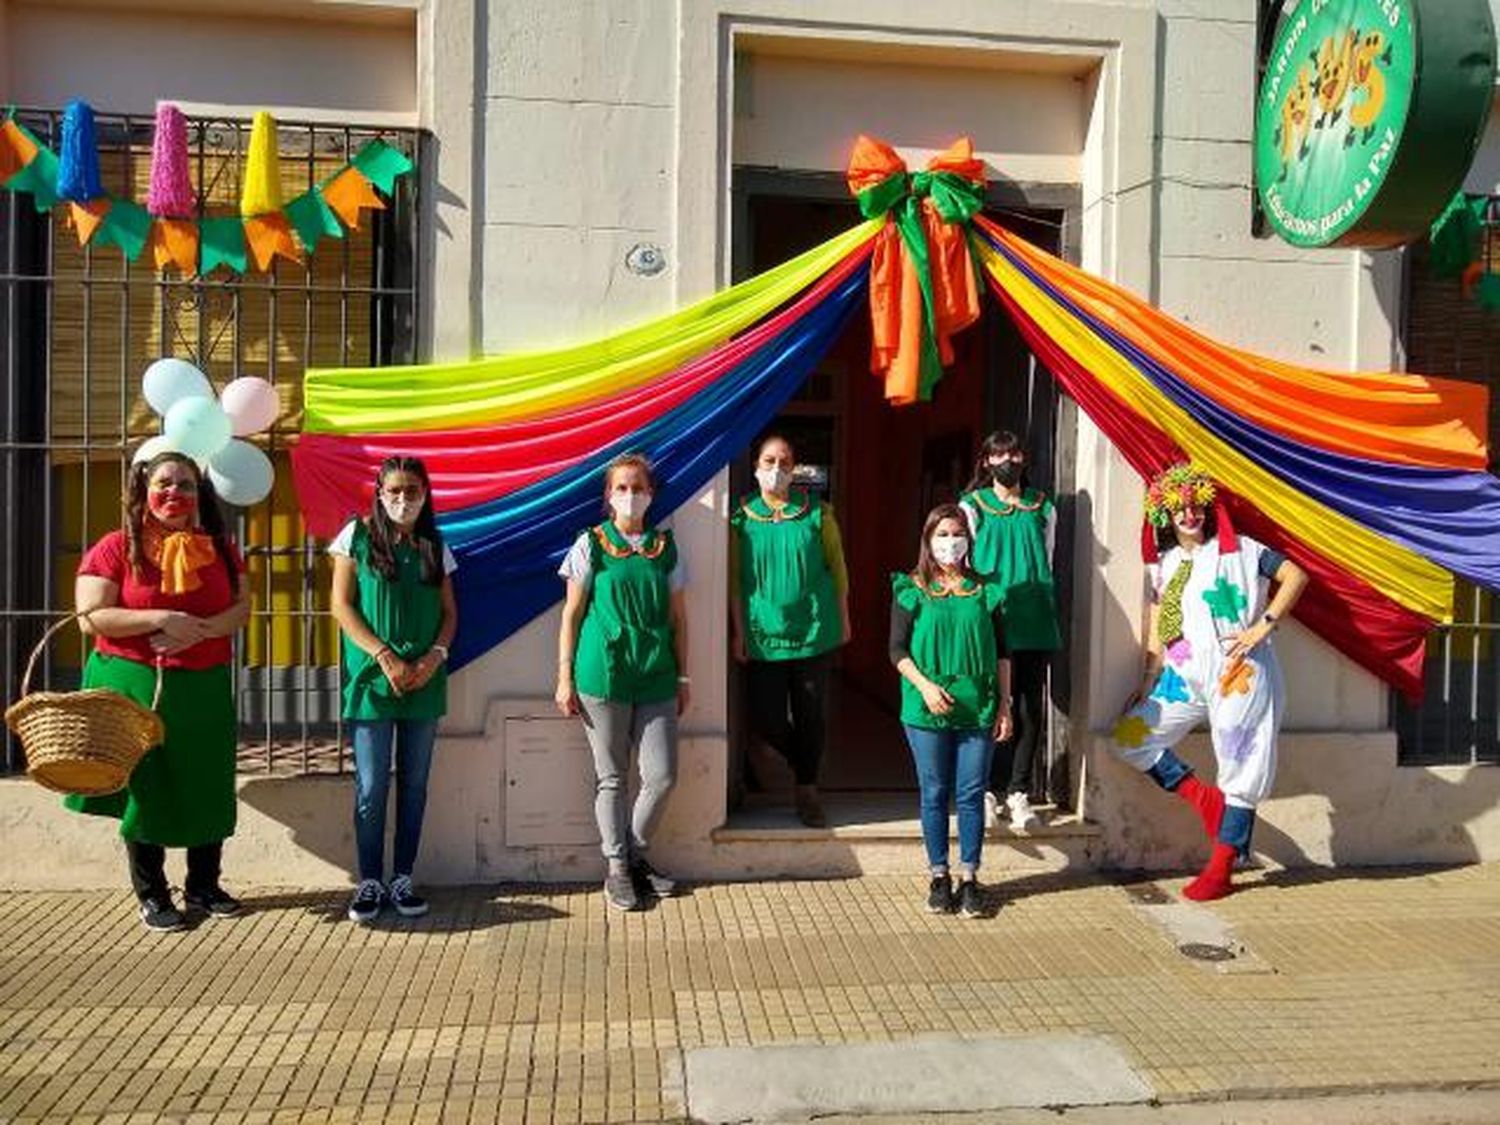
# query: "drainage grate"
1202,951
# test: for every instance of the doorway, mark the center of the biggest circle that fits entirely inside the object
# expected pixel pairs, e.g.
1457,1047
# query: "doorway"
882,469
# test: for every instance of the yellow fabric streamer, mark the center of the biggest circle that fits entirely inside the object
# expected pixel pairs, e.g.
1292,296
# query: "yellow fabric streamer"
261,193
1398,573
500,389
183,554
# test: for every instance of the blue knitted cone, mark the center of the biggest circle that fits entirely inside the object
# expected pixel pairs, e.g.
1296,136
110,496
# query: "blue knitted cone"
78,169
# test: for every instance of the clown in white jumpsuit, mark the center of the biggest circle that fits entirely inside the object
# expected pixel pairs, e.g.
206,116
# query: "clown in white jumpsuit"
1211,602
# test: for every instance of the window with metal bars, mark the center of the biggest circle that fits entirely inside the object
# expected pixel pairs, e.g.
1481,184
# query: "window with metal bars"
78,328
1449,333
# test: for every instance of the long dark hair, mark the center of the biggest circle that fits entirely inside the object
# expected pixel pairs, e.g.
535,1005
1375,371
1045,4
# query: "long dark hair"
425,536
210,518
1166,537
928,568
1001,441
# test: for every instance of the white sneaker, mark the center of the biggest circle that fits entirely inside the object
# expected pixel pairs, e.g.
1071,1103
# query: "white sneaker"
1021,814
991,810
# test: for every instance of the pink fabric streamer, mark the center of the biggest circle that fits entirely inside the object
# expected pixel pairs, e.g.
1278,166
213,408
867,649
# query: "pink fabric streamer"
171,193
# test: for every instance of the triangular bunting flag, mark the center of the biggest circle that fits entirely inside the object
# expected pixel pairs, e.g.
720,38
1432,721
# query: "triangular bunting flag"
348,194
221,243
270,236
17,149
382,164
174,242
312,219
128,226
88,217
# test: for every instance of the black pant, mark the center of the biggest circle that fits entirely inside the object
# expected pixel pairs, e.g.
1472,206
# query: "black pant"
1015,758
148,864
787,710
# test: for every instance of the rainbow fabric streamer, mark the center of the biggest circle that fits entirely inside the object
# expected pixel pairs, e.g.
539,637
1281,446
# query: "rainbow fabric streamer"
1375,482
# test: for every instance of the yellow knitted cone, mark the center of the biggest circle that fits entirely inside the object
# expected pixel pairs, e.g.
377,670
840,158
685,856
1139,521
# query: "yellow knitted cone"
261,194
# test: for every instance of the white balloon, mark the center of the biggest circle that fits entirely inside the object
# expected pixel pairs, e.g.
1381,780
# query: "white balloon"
241,474
169,381
150,448
196,426
251,403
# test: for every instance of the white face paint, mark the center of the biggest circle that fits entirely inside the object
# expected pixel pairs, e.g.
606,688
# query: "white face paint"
949,550
773,479
630,505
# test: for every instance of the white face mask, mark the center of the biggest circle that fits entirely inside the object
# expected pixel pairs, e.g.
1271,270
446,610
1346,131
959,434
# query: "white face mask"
949,550
773,479
403,512
630,505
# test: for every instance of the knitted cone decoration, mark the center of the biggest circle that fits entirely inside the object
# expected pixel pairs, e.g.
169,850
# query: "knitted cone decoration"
78,171
171,192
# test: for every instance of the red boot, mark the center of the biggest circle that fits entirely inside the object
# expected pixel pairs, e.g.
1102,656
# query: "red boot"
1213,881
1207,799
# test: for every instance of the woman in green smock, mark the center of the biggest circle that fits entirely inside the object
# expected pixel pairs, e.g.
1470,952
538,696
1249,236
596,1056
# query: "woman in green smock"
789,608
393,599
1013,532
622,665
948,644
167,590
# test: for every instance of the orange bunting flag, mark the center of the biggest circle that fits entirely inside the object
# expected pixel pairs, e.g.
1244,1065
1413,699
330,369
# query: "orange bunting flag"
174,242
16,150
348,194
269,236
88,217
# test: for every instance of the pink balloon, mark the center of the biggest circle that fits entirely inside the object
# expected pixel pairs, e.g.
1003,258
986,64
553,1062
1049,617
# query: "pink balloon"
251,403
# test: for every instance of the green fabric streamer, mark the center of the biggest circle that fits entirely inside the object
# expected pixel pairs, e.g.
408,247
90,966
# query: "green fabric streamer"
1488,291
128,226
222,242
312,219
382,165
39,178
1455,235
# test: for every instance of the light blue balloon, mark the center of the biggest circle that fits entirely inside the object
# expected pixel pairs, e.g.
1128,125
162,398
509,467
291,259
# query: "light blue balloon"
241,474
197,427
169,381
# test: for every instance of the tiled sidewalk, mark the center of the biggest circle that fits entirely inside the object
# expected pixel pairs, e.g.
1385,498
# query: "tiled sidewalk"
534,1004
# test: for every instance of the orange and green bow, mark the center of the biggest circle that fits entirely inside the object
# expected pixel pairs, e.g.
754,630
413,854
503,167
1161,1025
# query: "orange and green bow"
922,281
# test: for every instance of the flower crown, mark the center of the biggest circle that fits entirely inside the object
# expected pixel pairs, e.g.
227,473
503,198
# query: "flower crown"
1175,489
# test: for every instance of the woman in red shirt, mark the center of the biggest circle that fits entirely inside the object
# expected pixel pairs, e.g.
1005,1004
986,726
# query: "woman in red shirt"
168,589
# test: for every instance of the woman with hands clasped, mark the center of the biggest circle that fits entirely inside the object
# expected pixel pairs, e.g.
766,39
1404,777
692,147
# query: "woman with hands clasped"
393,599
948,643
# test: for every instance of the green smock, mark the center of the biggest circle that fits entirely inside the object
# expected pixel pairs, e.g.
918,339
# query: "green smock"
405,613
182,792
953,645
1010,550
788,591
625,649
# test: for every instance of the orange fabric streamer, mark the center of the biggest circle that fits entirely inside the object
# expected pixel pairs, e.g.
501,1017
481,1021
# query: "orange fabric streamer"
183,554
269,236
16,150
174,242
348,194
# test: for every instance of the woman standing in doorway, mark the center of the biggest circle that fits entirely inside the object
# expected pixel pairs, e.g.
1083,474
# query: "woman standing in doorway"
393,599
621,663
1209,656
789,608
167,591
948,644
1013,534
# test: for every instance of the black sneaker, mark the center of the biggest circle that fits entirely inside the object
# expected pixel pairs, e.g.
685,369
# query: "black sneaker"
619,891
160,915
368,897
940,895
216,902
651,881
970,900
407,902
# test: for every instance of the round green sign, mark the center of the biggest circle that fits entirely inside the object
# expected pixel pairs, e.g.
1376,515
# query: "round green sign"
1368,116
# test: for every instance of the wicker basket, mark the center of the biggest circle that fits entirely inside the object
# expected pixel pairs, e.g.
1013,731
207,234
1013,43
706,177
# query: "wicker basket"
84,742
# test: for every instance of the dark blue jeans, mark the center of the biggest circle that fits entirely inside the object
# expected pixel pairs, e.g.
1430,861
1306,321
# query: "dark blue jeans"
373,740
952,765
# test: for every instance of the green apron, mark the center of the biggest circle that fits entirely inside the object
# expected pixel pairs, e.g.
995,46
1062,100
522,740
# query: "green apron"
791,609
1010,549
182,792
953,645
625,650
406,614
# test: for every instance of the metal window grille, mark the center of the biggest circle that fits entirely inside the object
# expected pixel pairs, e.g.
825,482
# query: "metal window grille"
1449,333
79,327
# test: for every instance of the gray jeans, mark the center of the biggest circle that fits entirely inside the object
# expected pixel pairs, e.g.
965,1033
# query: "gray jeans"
613,729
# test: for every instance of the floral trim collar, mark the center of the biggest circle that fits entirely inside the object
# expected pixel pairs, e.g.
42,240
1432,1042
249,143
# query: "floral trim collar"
798,504
968,588
986,500
614,544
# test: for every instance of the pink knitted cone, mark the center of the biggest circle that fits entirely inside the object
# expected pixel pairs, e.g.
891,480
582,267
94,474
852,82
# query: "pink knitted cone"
171,193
